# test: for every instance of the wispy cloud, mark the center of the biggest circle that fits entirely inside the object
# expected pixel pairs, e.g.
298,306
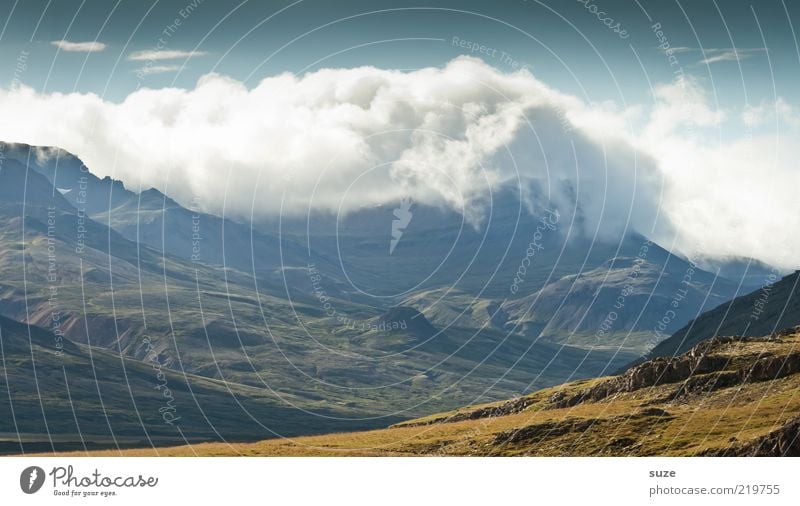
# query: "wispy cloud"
157,69
719,54
684,49
79,47
155,55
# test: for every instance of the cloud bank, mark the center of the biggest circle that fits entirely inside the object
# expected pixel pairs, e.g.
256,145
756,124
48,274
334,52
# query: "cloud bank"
340,139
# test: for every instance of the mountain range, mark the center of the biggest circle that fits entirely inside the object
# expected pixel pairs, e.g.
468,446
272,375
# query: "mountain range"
313,320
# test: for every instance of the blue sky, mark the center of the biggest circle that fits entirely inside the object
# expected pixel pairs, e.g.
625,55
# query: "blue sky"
563,42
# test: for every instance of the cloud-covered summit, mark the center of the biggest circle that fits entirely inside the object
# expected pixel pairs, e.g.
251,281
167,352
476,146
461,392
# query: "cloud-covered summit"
340,139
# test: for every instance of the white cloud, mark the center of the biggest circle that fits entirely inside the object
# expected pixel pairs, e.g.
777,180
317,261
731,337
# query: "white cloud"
157,55
754,115
157,69
719,54
79,47
340,139
732,54
724,56
727,198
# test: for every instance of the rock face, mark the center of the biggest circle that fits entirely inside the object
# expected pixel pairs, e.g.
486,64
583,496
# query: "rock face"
507,408
701,369
542,431
782,442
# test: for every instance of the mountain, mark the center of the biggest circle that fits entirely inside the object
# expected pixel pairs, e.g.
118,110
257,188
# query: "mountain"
774,306
565,295
624,303
59,395
725,396
151,218
627,304
752,273
461,276
320,311
67,273
18,184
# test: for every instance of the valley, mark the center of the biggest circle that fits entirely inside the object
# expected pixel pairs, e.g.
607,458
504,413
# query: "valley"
727,396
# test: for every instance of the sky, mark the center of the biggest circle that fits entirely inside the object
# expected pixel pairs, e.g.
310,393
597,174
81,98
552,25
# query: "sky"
675,119
563,42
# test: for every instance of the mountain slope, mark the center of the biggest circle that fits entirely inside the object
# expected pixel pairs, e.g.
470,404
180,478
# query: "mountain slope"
564,295
18,184
621,303
627,303
151,218
774,306
55,394
299,330
59,268
726,396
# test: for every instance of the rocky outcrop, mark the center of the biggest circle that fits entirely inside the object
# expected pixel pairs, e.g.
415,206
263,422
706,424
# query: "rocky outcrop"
787,331
542,431
539,432
507,408
700,370
782,442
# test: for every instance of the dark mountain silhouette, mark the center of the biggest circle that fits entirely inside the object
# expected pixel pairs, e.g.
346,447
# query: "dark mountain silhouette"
762,312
